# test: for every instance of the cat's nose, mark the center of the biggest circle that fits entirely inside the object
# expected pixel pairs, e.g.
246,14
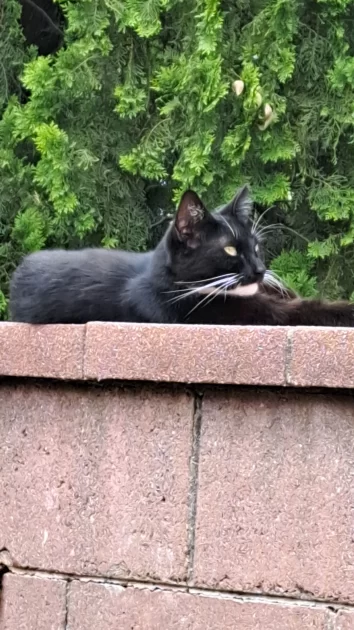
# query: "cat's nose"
259,270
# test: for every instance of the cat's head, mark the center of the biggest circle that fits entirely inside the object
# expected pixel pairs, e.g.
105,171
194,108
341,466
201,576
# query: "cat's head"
216,249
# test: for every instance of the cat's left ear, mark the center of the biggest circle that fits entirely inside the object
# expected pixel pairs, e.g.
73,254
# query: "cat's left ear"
241,205
189,219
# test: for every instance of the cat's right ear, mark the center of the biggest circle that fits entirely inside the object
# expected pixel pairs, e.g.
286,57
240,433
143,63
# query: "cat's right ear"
189,219
241,205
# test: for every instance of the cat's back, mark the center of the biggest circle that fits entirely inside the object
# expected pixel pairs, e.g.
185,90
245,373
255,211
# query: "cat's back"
82,261
47,284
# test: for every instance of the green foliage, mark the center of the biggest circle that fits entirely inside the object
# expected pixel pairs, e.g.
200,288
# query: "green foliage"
295,269
140,94
29,230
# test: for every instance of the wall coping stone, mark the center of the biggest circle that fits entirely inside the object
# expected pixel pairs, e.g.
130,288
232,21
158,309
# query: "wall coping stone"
237,355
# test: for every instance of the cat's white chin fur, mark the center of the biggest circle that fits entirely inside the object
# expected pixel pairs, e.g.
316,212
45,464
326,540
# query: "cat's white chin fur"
245,290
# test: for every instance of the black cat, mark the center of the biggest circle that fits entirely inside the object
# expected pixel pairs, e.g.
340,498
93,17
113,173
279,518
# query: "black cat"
206,269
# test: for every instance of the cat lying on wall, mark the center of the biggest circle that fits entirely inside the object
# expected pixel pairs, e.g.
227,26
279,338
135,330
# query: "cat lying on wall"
206,269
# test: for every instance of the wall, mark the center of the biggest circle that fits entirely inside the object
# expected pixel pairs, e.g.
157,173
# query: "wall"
157,477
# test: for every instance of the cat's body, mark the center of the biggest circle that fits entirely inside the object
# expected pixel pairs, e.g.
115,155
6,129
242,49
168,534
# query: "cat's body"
91,285
205,270
78,286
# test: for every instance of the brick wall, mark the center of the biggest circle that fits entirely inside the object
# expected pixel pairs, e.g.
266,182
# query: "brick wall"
156,478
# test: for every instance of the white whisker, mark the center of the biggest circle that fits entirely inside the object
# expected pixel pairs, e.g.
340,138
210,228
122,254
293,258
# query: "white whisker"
210,296
281,226
266,230
272,273
270,280
213,295
226,275
268,227
199,289
215,283
255,224
276,277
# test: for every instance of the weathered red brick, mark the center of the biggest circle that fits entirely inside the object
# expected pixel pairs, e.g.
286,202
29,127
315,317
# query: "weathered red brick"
30,603
186,354
322,357
200,354
275,497
344,620
95,481
110,607
41,351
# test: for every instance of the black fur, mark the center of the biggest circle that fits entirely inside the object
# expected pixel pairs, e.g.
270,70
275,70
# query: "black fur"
56,286
163,285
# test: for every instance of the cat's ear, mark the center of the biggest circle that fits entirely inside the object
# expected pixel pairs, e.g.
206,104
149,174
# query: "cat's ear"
241,205
190,216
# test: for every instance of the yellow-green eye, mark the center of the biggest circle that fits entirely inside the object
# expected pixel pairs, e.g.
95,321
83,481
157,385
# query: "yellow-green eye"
231,251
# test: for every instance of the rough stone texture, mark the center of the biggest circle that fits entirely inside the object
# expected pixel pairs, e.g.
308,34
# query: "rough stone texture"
344,620
29,603
186,354
109,607
322,357
239,355
275,497
95,481
103,480
41,351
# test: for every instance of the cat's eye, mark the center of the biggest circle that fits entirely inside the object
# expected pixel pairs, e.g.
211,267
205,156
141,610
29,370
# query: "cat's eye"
256,249
230,250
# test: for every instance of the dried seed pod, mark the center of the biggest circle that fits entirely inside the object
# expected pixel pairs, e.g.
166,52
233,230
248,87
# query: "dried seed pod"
266,122
268,112
238,86
259,99
268,117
